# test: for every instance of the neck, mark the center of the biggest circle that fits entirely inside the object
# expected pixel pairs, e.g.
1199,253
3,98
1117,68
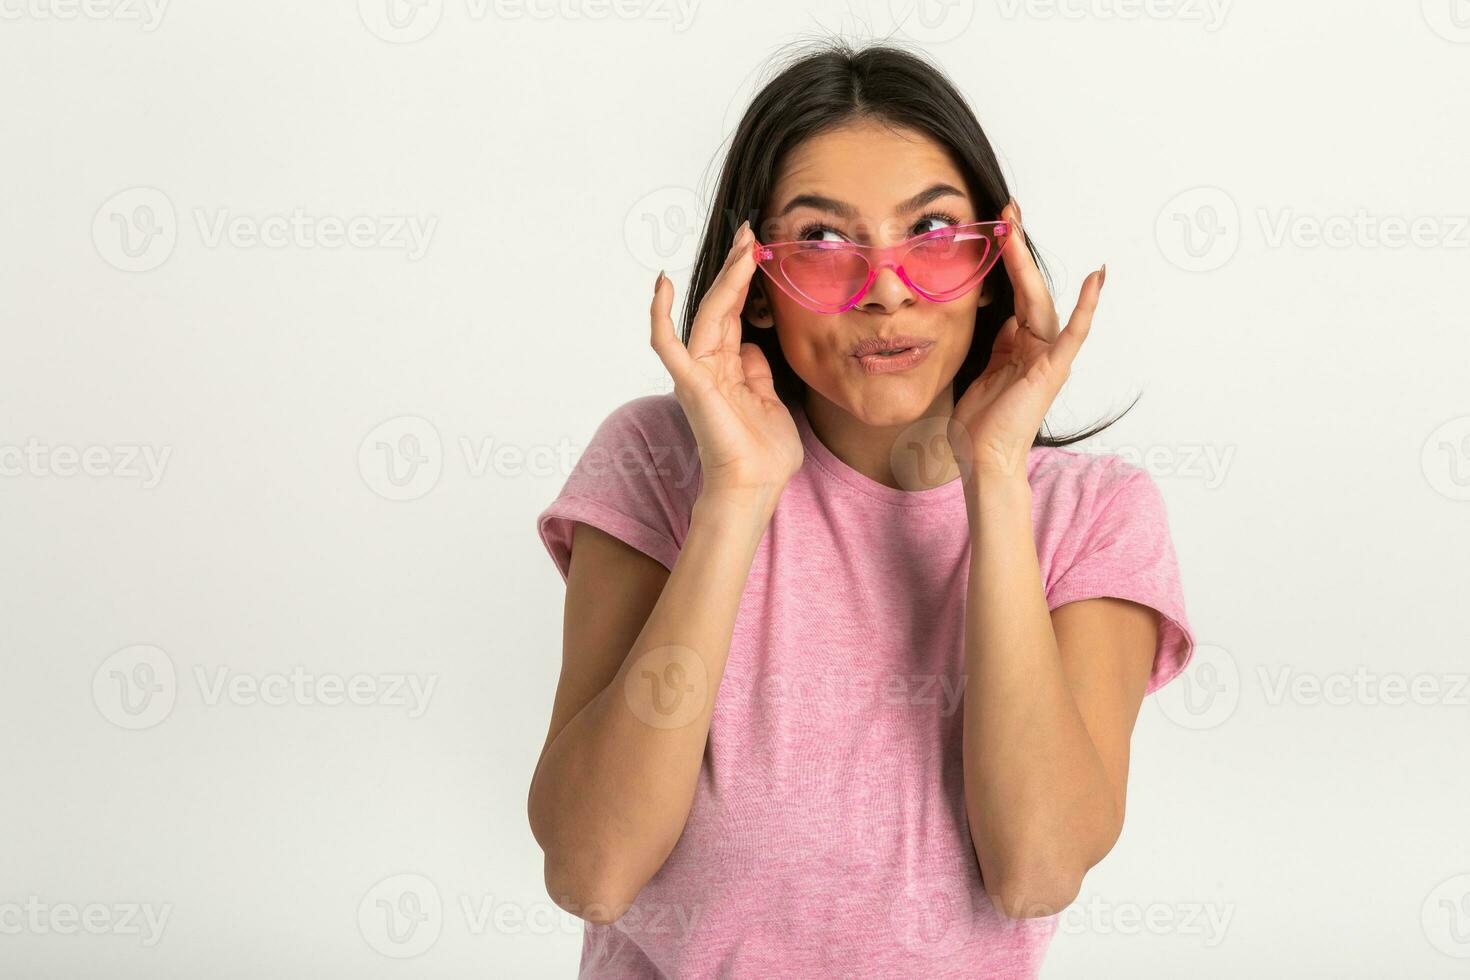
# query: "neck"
896,450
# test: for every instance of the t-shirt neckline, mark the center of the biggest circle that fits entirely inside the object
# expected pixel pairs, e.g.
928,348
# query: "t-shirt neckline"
834,467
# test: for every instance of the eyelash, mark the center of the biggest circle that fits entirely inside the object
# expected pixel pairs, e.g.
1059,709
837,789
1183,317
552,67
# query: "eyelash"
812,226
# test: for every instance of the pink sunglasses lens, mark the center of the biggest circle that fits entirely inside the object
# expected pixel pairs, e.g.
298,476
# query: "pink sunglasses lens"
826,276
943,264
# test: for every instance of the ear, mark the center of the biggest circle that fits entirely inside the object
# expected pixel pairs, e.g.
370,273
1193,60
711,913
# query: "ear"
758,306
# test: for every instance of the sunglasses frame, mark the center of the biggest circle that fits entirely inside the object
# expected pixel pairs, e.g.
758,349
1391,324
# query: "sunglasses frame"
769,256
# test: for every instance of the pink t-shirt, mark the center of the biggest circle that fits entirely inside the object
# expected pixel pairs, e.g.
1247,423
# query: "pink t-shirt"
827,836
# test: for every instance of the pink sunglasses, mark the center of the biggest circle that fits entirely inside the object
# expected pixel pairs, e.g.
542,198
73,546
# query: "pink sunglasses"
829,277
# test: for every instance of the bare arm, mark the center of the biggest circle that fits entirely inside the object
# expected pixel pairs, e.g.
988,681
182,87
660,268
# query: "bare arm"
1050,704
1050,699
616,778
644,650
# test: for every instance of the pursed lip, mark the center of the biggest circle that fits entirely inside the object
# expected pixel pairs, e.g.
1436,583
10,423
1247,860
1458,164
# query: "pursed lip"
875,345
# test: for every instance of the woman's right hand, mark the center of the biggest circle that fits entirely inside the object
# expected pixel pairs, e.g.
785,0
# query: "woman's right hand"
747,438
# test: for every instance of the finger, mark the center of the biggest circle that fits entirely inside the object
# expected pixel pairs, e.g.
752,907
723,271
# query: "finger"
1033,302
732,253
663,339
730,256
1064,351
742,246
1034,307
717,322
1005,337
742,233
757,371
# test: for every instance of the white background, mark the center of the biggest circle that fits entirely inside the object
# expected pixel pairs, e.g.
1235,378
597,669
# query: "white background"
1270,831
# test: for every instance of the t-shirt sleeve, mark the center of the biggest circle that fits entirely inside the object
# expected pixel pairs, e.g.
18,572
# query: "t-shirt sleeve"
636,480
1127,552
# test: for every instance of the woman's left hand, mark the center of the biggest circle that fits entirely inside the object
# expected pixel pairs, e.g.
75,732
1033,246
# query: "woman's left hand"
1003,409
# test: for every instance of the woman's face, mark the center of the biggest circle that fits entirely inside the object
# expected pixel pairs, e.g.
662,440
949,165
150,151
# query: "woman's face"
869,184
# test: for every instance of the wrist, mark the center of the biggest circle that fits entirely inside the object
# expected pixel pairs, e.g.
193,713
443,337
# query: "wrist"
751,506
994,489
984,460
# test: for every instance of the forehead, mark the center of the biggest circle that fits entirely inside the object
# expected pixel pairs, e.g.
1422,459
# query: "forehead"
869,164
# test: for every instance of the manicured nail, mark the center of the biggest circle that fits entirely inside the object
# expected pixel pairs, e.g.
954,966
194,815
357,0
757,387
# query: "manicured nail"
1104,277
659,281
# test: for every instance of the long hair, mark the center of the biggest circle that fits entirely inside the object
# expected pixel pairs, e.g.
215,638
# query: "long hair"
822,89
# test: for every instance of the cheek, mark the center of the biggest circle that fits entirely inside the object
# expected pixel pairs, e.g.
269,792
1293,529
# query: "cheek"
807,338
959,350
959,325
960,330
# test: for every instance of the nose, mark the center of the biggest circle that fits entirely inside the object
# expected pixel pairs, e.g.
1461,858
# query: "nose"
887,293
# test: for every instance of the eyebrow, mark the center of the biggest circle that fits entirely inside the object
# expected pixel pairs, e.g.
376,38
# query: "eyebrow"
844,210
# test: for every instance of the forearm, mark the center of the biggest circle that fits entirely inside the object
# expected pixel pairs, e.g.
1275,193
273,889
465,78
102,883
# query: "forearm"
1041,808
614,788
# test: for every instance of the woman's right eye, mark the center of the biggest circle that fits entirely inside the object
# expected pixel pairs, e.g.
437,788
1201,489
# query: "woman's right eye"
817,227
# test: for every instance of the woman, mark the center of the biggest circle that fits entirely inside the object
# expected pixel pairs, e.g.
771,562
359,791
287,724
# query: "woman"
852,653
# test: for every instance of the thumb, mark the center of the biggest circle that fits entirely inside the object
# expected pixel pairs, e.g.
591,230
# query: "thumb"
757,370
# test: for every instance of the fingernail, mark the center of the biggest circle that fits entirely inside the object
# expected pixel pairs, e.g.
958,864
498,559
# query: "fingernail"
659,281
1104,277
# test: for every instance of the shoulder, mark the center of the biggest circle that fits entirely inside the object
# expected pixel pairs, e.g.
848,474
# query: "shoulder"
1071,473
1102,530
660,415
1074,489
636,479
647,440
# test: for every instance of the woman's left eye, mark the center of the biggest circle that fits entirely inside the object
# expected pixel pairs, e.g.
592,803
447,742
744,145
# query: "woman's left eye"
940,216
818,228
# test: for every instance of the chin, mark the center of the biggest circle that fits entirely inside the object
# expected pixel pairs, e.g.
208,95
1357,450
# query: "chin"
891,408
